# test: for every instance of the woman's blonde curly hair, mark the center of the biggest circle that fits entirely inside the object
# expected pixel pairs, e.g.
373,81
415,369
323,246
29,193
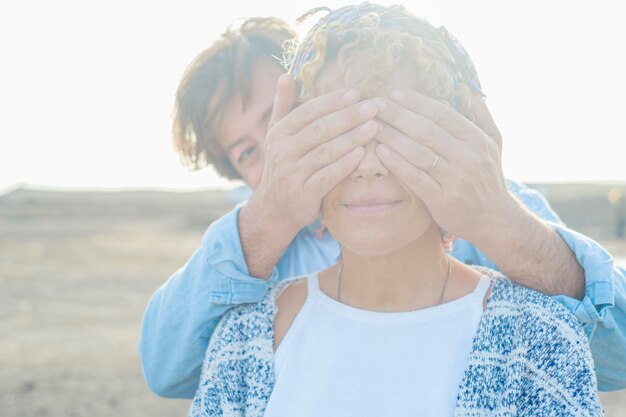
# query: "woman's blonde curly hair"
380,38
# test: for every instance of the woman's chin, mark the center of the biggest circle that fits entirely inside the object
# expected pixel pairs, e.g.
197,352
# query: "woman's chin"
384,238
372,246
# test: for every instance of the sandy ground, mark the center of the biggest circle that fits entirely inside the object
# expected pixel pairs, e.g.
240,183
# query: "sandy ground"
76,271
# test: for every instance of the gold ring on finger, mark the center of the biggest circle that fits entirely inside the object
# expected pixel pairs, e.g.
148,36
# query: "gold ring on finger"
434,164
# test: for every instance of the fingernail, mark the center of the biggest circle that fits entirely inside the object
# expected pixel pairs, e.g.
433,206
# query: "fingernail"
369,126
397,95
351,96
380,103
356,153
368,109
383,150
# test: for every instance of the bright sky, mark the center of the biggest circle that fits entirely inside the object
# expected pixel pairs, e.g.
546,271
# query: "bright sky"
87,88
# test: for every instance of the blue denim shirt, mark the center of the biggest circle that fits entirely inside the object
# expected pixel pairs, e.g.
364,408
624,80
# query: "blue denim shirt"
183,313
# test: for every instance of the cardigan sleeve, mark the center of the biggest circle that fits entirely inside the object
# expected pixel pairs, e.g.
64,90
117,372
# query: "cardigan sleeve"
530,358
237,374
559,378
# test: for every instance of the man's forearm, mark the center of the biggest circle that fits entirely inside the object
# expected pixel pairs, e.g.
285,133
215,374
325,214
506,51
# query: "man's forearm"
532,254
263,238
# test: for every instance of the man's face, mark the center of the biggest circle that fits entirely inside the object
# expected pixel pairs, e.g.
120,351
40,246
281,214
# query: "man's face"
242,130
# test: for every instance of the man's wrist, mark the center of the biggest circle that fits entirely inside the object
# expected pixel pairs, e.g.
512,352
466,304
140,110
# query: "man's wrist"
500,224
264,235
532,253
262,217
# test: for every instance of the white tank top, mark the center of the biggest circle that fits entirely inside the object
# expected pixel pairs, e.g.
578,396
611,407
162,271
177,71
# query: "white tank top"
338,360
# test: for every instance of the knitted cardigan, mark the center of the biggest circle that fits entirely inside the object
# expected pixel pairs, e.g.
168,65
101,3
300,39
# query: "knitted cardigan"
529,357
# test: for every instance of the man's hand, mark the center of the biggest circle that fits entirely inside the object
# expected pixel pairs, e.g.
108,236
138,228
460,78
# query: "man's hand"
310,149
307,151
447,160
455,167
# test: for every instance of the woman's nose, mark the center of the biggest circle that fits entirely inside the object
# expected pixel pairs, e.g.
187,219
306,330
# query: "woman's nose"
370,167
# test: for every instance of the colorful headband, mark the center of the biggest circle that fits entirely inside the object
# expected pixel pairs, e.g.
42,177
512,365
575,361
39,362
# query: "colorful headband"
396,18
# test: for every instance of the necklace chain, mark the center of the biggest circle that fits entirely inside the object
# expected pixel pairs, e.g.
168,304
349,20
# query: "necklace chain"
443,290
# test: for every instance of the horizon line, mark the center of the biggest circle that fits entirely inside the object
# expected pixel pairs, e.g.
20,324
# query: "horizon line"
22,186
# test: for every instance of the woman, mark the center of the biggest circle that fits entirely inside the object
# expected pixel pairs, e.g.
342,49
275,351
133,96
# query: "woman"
397,327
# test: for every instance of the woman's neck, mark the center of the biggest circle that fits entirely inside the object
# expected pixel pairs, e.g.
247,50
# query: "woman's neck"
409,278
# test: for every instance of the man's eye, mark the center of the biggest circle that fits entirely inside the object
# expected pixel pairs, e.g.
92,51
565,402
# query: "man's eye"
246,154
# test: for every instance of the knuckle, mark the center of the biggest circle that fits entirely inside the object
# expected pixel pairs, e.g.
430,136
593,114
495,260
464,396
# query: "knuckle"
414,178
325,179
325,153
319,131
277,158
424,159
428,132
439,117
278,154
475,162
310,108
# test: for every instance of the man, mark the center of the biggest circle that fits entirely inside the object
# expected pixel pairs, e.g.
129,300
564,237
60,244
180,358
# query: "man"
225,102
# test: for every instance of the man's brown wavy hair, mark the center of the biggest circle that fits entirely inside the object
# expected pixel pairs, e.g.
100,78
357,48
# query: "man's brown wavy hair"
213,78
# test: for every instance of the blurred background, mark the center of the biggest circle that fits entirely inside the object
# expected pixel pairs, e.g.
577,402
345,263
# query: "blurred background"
96,210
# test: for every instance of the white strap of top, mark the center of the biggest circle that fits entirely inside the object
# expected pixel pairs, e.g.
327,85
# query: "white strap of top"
313,285
479,292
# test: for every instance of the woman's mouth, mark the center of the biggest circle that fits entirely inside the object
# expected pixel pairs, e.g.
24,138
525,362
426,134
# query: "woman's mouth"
371,207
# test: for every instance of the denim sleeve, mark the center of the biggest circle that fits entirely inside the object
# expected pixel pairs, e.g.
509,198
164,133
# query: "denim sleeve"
608,344
602,311
183,312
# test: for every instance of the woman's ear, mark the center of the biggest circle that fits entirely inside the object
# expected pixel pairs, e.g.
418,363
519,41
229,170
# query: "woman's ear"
446,239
